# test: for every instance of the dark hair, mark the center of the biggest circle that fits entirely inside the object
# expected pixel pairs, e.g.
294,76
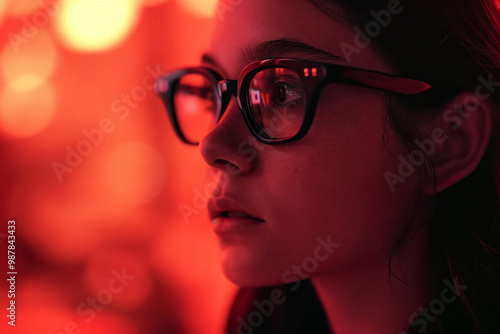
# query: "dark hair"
452,44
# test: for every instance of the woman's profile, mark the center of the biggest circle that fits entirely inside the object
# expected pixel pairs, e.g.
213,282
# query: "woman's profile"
358,144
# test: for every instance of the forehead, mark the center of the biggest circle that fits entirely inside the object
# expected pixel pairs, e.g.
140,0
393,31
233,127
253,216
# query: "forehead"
249,23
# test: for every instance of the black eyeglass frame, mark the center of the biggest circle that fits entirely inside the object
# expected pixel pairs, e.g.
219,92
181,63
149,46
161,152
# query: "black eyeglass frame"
314,76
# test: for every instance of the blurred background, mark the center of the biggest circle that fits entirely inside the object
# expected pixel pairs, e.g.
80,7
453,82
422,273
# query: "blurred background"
111,232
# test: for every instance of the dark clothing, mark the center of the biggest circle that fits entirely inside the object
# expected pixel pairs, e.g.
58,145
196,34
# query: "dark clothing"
301,311
298,310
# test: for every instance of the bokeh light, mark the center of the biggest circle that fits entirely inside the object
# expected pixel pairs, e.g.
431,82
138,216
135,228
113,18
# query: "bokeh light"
118,205
27,101
27,106
204,8
86,25
2,11
37,57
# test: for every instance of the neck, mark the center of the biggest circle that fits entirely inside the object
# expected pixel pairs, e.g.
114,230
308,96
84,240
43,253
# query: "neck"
368,300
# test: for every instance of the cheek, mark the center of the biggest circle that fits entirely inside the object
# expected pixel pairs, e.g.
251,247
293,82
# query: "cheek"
336,185
326,189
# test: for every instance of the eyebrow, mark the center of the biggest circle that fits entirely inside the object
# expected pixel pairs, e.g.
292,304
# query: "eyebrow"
279,48
207,58
289,48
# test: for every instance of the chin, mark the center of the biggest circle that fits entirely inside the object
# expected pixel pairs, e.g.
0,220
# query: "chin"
247,270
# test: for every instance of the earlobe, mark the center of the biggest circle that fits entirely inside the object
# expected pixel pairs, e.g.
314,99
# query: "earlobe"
465,125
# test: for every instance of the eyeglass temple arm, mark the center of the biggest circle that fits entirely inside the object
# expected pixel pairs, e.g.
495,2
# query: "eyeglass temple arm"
386,82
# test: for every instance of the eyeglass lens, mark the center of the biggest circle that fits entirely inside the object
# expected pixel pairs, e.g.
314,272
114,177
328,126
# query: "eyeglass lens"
196,105
276,103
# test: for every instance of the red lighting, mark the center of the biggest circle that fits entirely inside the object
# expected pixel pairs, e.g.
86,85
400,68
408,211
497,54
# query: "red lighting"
93,174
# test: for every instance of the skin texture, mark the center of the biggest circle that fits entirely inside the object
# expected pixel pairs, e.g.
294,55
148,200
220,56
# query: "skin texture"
336,167
328,185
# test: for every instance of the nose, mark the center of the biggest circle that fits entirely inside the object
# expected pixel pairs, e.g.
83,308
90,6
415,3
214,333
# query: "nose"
230,145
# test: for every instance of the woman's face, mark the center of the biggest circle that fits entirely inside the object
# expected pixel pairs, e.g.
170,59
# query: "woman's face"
329,185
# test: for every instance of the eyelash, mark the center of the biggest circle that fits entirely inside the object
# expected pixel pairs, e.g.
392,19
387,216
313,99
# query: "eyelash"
272,81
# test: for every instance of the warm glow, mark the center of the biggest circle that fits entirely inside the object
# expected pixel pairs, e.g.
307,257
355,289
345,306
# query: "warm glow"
205,8
55,209
86,25
101,265
132,174
2,11
151,3
37,57
23,7
27,106
26,83
95,185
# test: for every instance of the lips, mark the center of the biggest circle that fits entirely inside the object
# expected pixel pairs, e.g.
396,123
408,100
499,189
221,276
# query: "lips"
227,207
229,217
237,214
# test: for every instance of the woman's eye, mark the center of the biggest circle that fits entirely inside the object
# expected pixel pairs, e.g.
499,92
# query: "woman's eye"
287,94
284,90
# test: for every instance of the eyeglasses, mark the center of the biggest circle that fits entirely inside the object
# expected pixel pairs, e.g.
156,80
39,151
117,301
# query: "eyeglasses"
277,97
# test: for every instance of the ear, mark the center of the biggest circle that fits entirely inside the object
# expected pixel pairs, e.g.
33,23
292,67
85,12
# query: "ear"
461,134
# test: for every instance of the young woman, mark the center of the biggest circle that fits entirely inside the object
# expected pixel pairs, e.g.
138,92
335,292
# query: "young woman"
356,144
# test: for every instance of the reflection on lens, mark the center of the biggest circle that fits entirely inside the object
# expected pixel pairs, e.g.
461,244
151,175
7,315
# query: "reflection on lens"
277,101
195,104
